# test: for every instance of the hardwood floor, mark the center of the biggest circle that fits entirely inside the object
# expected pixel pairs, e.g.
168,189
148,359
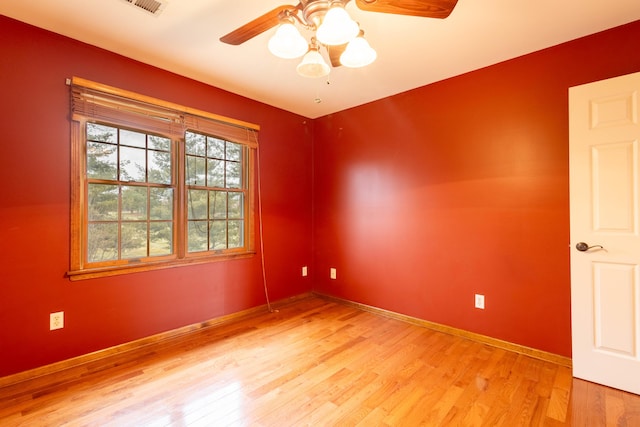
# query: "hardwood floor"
320,363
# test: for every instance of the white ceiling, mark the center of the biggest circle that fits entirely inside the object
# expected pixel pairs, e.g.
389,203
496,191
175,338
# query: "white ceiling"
412,52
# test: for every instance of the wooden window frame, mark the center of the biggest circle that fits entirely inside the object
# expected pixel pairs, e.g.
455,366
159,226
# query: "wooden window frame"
95,102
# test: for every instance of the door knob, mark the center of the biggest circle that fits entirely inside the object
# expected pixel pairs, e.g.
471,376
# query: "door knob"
583,247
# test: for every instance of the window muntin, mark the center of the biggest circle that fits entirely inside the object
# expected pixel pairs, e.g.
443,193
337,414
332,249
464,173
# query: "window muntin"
138,185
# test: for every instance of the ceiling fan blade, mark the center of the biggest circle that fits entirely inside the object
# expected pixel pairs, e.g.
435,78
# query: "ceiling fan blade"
427,8
335,52
257,26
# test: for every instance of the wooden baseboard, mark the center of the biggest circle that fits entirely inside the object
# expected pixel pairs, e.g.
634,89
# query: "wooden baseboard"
505,345
83,360
79,361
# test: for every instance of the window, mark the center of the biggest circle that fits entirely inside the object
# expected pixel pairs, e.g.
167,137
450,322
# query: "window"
156,185
130,194
215,200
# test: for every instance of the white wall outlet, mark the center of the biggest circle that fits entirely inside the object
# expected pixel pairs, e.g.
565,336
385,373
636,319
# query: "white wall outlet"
304,271
333,274
56,320
480,301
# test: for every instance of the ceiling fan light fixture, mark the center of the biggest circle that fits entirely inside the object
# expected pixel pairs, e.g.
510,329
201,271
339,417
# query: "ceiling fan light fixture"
337,26
313,64
287,42
358,53
333,28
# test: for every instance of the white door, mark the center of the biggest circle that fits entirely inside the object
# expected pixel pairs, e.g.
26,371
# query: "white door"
604,130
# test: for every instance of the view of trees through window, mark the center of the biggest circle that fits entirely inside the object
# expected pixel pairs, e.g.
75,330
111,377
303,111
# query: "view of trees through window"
215,201
156,184
130,197
131,194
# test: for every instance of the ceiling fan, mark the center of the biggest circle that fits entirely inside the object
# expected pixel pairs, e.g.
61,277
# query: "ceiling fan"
311,15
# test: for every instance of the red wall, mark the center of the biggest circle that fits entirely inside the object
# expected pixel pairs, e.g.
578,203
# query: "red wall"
419,200
34,209
461,187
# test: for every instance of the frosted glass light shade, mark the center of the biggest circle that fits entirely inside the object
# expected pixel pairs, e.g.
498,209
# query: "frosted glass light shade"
313,65
358,54
337,27
287,42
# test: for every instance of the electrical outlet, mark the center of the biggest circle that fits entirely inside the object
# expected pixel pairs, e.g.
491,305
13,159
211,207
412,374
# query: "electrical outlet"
333,273
480,301
56,320
304,271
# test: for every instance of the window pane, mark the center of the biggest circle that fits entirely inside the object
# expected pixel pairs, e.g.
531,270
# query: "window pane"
218,235
236,209
160,238
159,167
159,143
134,239
233,175
234,151
133,139
225,209
197,204
132,164
96,132
102,160
195,171
102,202
215,148
161,203
134,203
102,242
218,204
195,144
236,234
197,238
120,216
215,173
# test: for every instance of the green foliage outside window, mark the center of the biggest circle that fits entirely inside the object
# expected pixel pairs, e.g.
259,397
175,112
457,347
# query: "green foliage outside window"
215,202
130,195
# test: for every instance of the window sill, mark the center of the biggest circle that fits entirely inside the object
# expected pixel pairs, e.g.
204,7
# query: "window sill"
93,273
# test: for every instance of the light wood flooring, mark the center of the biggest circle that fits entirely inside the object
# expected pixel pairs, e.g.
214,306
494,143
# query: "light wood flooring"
317,363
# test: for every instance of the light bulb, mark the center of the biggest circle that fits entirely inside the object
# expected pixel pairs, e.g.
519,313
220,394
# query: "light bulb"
337,27
287,42
358,53
313,65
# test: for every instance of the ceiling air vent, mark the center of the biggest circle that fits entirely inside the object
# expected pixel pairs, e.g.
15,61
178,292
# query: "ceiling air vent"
152,6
